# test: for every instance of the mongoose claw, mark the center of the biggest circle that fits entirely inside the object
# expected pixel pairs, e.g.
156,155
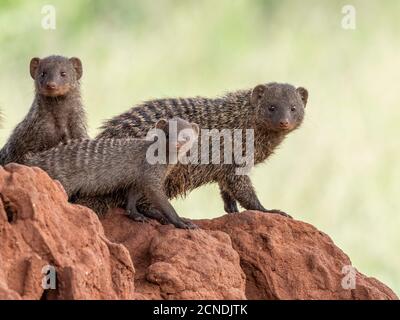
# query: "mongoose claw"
186,224
276,211
191,225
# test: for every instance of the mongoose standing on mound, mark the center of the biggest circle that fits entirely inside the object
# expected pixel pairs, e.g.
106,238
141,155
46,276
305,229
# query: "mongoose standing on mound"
273,110
56,114
98,167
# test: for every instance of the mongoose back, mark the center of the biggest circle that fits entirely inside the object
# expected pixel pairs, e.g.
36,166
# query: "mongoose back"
56,114
99,167
273,110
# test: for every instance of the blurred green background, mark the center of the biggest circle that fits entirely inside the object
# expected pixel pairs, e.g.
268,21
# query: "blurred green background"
340,171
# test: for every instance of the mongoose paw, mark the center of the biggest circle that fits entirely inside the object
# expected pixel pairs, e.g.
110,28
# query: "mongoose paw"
231,207
276,211
141,219
156,215
185,224
137,217
190,224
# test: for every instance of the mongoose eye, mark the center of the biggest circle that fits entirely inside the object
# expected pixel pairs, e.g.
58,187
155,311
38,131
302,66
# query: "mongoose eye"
63,74
293,108
271,108
43,74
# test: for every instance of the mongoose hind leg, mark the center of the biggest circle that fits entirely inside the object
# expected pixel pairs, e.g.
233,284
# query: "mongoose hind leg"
230,204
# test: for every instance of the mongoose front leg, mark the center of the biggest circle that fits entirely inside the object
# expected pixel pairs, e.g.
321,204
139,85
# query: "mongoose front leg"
78,131
131,206
147,210
160,202
151,212
230,204
241,188
155,214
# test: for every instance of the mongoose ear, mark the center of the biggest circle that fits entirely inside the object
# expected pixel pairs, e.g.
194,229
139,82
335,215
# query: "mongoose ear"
162,124
257,94
33,66
196,128
303,94
76,62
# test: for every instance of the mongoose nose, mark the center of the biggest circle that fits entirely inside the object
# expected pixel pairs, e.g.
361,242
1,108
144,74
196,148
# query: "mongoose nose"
284,123
51,85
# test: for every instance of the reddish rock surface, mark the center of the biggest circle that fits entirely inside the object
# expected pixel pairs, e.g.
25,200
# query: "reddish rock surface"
173,263
289,259
248,255
38,227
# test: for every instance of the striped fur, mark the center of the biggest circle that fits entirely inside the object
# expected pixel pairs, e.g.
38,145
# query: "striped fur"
233,110
105,166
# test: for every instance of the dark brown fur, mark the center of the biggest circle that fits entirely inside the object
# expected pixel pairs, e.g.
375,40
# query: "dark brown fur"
272,110
56,114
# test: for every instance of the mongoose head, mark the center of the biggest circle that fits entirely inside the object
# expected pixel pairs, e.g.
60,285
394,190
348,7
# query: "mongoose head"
55,75
179,133
280,106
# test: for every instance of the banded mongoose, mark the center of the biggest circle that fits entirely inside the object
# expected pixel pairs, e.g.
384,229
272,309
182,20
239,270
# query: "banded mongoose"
273,110
98,167
56,114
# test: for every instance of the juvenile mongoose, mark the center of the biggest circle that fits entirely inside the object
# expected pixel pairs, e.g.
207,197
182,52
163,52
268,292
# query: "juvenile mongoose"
56,114
273,110
99,167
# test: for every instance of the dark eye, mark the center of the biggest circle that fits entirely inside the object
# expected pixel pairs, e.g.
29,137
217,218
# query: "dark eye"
63,74
43,74
271,108
293,108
